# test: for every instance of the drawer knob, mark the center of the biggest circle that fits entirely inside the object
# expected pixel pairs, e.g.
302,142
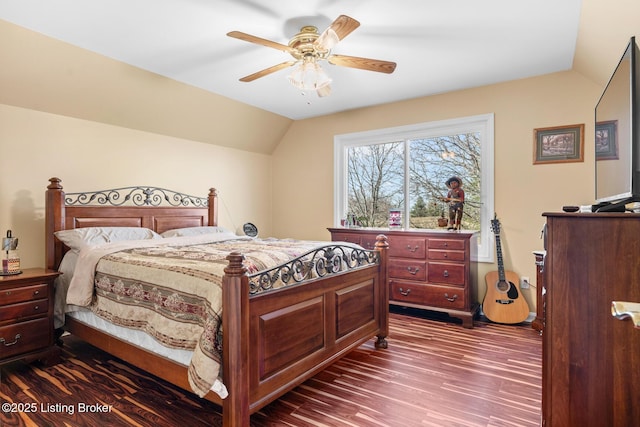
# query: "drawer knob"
404,293
36,308
8,293
36,292
450,299
7,344
446,273
412,249
413,270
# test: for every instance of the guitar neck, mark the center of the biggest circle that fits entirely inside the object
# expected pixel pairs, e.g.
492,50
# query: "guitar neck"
501,275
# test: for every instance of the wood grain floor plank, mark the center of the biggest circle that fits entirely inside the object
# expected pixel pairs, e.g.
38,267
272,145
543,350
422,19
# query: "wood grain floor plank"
434,373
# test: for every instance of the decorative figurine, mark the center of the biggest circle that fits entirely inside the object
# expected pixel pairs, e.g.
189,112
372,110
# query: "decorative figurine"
455,198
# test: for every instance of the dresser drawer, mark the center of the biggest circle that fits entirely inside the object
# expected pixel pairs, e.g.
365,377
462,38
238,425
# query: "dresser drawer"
25,293
346,237
446,255
446,244
24,336
428,295
407,269
407,247
23,310
442,272
368,241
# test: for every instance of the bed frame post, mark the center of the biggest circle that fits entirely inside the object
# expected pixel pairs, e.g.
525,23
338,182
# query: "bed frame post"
235,322
382,246
54,221
213,207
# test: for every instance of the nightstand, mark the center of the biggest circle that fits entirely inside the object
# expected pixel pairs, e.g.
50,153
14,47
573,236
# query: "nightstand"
26,316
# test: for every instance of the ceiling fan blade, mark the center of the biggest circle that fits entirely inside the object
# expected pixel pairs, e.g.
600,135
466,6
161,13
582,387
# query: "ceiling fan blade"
363,63
338,30
343,26
258,40
267,71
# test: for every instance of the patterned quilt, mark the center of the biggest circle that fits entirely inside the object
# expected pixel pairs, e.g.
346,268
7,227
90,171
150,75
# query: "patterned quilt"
173,293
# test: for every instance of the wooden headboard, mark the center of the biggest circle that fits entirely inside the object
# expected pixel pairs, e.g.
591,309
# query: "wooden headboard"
156,208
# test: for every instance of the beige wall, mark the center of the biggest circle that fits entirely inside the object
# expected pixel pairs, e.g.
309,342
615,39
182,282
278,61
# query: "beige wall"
303,162
36,146
290,193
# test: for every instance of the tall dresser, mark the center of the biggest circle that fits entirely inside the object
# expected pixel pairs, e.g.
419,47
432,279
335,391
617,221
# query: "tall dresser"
590,360
428,269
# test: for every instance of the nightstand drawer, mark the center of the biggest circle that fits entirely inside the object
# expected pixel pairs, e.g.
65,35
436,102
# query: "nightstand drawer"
25,293
408,269
428,295
24,336
23,310
441,272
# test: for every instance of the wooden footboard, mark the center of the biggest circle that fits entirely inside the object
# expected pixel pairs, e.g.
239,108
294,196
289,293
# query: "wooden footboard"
296,332
273,340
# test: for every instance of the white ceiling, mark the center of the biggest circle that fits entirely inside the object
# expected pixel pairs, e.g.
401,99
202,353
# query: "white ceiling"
439,46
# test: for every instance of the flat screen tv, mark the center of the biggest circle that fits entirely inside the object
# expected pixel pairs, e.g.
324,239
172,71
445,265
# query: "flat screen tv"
617,136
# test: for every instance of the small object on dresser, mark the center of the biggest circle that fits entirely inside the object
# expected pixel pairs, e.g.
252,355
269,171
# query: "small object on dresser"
395,218
571,208
10,257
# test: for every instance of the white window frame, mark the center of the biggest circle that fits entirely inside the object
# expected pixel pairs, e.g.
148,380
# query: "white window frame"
483,124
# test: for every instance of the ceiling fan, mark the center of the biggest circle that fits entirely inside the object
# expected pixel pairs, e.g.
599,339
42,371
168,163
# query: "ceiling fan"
308,48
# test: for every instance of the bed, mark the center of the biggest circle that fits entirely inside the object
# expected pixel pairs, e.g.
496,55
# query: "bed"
333,310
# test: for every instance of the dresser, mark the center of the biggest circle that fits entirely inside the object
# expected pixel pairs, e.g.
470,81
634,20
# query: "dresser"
26,316
590,359
428,269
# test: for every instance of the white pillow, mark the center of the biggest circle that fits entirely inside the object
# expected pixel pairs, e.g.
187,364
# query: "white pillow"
194,231
78,238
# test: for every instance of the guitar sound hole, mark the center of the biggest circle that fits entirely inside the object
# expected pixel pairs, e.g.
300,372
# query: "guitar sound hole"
512,293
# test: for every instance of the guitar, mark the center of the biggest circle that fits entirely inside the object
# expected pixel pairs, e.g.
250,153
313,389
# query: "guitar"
503,302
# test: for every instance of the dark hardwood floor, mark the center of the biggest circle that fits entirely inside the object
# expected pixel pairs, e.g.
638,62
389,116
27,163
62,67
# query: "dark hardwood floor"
434,373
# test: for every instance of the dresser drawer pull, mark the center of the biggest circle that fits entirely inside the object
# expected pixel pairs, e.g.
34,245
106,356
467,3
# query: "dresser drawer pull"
413,270
8,293
7,344
446,273
450,299
412,249
36,293
404,293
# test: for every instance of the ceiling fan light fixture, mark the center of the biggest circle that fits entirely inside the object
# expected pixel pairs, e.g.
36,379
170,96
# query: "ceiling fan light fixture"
328,39
309,76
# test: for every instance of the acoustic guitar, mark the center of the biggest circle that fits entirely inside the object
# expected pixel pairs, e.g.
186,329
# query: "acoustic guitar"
503,302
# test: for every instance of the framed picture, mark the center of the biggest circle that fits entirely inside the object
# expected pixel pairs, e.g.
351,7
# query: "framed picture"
607,140
558,144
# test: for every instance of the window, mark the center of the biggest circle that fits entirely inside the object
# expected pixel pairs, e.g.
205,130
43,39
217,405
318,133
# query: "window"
405,168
